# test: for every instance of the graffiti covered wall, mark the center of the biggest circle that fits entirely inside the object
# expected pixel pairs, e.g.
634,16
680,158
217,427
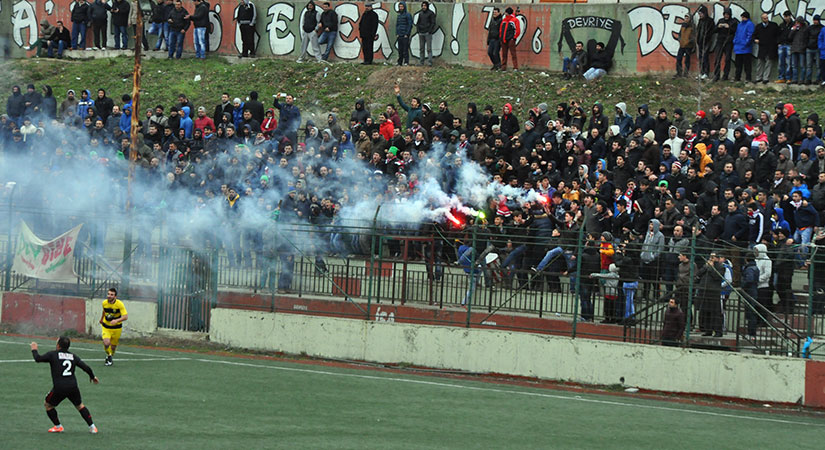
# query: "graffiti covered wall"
641,37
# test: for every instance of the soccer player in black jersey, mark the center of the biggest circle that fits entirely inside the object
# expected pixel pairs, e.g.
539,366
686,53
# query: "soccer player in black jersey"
63,364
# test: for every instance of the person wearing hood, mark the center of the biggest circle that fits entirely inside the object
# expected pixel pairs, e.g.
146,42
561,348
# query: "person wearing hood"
473,117
792,126
126,119
763,263
687,42
766,37
247,17
643,120
84,104
332,124
622,120
743,47
725,32
69,104
186,123
103,104
509,31
48,104
750,286
361,113
509,121
31,101
403,29
426,26
45,33
597,119
799,43
651,250
254,106
661,127
704,41
368,31
310,22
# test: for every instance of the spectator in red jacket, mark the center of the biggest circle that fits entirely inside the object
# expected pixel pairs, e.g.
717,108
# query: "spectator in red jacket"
203,120
270,123
386,127
509,32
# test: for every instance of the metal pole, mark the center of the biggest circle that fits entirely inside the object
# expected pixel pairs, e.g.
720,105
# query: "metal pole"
373,231
473,263
578,280
133,149
811,291
10,244
689,311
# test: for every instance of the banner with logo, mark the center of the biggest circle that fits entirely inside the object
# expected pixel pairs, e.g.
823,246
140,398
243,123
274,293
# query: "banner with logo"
47,260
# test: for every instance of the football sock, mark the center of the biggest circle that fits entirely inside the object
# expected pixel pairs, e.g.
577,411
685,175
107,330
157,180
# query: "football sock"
109,351
87,416
52,413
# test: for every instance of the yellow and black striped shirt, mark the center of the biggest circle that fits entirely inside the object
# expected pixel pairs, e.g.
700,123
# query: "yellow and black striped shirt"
115,310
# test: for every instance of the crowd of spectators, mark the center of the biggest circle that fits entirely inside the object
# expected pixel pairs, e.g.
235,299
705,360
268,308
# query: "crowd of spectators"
639,185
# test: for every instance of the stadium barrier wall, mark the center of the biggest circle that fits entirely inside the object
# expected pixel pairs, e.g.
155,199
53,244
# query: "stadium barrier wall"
643,37
61,313
733,375
143,317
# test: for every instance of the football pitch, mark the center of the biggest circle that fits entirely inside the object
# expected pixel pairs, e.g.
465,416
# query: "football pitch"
154,398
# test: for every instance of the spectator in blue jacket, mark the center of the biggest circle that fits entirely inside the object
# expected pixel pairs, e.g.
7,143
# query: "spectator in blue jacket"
743,47
821,44
186,122
403,28
805,219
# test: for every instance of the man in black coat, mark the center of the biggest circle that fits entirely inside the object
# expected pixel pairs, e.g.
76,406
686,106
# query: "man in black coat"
766,36
368,28
711,276
255,107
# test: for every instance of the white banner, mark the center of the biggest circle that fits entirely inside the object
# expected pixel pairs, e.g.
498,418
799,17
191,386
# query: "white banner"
47,260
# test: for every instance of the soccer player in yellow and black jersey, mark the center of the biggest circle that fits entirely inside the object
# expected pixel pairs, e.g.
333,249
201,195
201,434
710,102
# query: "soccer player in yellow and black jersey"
112,318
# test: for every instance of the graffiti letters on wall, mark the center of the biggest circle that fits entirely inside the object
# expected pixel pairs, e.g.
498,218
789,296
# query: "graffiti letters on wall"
462,29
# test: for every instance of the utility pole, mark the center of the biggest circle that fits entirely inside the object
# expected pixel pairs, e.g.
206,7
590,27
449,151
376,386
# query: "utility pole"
133,149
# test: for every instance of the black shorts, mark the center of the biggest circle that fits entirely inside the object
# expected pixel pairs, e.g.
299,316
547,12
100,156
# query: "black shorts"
56,395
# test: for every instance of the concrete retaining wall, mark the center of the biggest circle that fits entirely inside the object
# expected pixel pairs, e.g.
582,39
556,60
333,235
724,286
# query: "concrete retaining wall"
143,317
761,378
642,37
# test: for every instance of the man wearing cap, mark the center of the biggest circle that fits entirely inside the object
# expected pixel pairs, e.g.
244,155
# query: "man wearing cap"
368,29
599,63
743,47
203,120
765,36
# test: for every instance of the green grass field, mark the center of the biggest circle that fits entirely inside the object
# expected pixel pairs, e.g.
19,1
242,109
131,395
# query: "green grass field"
165,399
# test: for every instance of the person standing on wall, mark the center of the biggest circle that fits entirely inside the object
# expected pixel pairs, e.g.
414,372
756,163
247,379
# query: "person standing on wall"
725,31
247,15
784,48
368,29
178,24
766,37
99,19
426,27
158,22
687,41
120,20
200,21
81,18
798,46
508,31
311,20
812,51
403,28
494,39
133,22
704,40
328,28
743,47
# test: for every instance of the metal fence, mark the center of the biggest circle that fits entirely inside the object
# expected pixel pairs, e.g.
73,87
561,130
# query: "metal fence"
430,267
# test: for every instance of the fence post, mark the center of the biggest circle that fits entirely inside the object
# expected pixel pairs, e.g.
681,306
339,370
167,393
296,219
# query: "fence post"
473,263
10,243
578,280
810,311
373,230
127,255
689,312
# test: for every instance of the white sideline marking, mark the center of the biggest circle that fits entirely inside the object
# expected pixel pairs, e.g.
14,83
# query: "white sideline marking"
507,391
73,348
118,360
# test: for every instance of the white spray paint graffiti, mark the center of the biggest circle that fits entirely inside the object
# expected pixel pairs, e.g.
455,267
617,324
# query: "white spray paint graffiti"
49,7
661,27
383,44
24,19
281,40
346,45
216,29
458,17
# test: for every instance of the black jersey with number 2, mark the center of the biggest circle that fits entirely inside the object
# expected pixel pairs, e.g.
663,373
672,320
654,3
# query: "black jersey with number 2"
63,365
